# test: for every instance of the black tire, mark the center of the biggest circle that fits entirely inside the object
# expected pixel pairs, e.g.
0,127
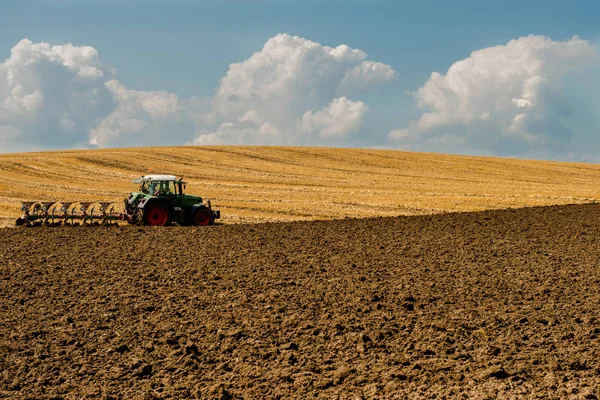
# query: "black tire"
157,215
202,217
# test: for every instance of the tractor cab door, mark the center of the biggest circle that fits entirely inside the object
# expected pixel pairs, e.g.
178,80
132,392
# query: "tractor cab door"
173,191
180,187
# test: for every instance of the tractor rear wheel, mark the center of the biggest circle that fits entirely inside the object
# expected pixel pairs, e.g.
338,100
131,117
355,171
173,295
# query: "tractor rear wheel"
157,215
202,217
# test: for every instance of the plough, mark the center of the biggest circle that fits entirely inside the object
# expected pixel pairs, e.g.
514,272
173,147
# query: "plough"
53,213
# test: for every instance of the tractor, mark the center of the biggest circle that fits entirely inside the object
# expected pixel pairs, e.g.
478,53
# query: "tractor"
161,201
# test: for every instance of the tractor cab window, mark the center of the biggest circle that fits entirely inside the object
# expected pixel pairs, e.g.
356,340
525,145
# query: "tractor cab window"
154,188
168,187
144,187
161,188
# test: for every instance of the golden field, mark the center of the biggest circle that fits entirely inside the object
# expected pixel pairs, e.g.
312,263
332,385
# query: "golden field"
257,184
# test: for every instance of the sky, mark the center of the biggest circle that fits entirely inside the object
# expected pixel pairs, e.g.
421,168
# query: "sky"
512,78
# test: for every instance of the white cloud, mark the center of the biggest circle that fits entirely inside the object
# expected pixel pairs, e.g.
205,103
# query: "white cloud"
293,92
243,132
339,119
366,74
51,96
503,98
65,97
143,118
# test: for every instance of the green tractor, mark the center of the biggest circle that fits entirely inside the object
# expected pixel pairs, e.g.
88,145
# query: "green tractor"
161,201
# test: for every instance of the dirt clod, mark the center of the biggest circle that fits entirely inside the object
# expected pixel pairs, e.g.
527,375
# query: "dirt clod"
144,371
122,349
499,374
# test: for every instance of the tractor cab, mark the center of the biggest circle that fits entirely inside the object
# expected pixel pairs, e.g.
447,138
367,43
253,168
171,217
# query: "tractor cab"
162,186
150,184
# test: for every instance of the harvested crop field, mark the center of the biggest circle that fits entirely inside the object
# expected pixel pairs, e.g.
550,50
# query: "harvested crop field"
495,304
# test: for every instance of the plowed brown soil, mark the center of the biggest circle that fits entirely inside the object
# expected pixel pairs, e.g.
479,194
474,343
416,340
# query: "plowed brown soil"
496,304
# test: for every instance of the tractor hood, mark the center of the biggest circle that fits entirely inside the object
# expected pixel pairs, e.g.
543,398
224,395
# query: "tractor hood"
189,200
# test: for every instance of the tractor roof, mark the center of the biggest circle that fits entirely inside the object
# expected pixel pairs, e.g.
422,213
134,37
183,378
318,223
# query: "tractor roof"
147,178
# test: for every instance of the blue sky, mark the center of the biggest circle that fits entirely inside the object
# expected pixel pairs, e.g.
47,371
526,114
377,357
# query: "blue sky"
185,48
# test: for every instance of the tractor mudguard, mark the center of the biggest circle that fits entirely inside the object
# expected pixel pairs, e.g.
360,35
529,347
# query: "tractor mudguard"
146,202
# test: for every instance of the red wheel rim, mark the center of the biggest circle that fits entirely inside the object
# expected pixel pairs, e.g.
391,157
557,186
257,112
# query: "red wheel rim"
157,216
202,218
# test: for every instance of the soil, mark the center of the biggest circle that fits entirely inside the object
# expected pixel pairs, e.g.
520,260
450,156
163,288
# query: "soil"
496,304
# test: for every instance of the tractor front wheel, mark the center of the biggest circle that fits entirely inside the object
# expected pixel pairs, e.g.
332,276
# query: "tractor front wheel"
202,217
157,215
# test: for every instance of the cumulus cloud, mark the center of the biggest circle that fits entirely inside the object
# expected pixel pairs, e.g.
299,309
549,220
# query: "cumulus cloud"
51,96
339,119
366,74
143,117
506,99
294,91
501,100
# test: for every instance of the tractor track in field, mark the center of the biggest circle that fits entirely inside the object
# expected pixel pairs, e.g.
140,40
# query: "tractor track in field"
494,304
